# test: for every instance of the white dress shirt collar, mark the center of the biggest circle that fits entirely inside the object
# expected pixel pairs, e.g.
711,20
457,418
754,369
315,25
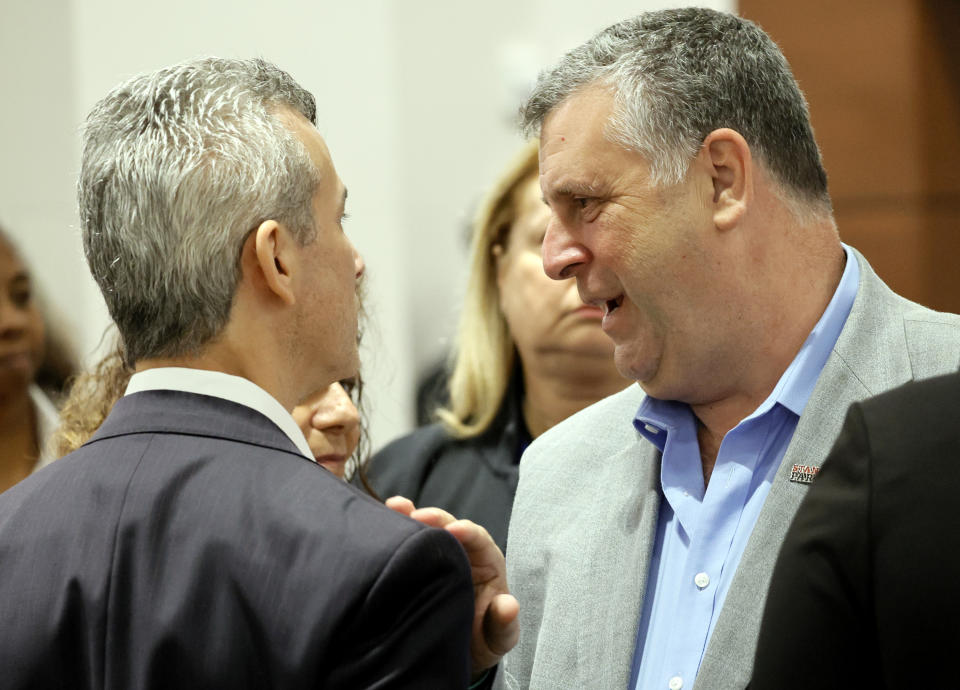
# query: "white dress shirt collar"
220,385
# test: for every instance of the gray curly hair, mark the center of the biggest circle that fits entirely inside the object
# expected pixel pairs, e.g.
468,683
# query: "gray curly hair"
178,167
679,74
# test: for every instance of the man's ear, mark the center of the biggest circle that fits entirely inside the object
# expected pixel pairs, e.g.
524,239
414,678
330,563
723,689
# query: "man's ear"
273,255
726,155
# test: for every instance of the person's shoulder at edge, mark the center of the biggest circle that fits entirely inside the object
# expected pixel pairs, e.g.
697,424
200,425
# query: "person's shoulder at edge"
915,401
295,497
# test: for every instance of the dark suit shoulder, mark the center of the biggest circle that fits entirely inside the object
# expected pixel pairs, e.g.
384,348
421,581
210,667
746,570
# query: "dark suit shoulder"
414,618
864,567
200,561
914,443
917,403
913,436
285,501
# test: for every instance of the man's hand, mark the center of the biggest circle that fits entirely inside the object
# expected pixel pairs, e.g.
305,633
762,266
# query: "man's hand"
495,626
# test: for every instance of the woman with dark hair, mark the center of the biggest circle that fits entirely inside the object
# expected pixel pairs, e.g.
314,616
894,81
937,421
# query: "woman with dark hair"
27,359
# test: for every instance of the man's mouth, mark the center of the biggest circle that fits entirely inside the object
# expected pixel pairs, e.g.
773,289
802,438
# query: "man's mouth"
611,305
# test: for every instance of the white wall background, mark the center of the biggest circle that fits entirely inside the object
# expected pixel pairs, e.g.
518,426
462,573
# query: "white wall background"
416,99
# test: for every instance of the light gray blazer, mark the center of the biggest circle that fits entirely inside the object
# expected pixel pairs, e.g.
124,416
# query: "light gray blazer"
585,515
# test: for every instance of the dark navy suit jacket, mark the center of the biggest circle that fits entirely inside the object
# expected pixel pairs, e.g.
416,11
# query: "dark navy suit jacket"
864,593
189,545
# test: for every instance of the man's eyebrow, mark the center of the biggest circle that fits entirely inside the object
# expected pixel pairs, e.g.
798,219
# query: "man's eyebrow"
568,189
343,199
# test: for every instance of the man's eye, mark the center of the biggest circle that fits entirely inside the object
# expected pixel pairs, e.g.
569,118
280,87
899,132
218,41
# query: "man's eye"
587,206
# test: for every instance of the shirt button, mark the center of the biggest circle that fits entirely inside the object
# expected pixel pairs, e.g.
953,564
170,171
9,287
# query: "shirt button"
701,580
675,683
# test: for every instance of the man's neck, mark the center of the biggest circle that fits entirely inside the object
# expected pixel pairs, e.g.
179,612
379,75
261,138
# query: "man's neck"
223,359
770,358
204,362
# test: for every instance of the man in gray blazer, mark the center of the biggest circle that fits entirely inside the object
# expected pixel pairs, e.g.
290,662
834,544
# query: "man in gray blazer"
193,542
689,200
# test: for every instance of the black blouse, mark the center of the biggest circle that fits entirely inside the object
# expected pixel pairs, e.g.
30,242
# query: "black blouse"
473,478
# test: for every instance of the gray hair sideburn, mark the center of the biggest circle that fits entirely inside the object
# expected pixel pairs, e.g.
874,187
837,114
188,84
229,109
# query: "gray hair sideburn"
178,166
679,74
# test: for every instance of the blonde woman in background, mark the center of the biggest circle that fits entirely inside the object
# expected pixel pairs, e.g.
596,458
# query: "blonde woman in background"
529,353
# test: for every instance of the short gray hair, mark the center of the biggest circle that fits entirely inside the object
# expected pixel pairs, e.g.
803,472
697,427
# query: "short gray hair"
178,167
679,74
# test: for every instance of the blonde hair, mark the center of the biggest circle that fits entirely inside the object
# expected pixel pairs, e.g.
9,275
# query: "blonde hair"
484,352
92,396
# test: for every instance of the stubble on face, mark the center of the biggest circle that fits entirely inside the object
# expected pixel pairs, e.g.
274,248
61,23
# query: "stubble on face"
635,247
603,210
325,325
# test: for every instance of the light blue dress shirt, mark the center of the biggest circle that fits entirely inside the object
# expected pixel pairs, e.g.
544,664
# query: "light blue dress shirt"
701,534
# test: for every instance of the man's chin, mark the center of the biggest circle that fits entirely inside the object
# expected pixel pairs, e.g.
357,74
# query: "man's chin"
632,365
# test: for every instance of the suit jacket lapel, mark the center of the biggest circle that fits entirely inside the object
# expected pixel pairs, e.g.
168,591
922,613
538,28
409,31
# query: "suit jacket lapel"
579,549
616,567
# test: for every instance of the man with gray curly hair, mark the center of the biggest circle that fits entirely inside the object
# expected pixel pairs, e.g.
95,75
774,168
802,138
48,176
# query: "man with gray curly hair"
689,200
193,542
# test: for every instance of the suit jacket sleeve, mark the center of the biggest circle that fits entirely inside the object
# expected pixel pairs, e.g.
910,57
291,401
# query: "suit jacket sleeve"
818,629
413,628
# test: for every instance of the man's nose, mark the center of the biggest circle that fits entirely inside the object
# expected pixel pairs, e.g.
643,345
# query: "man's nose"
562,255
